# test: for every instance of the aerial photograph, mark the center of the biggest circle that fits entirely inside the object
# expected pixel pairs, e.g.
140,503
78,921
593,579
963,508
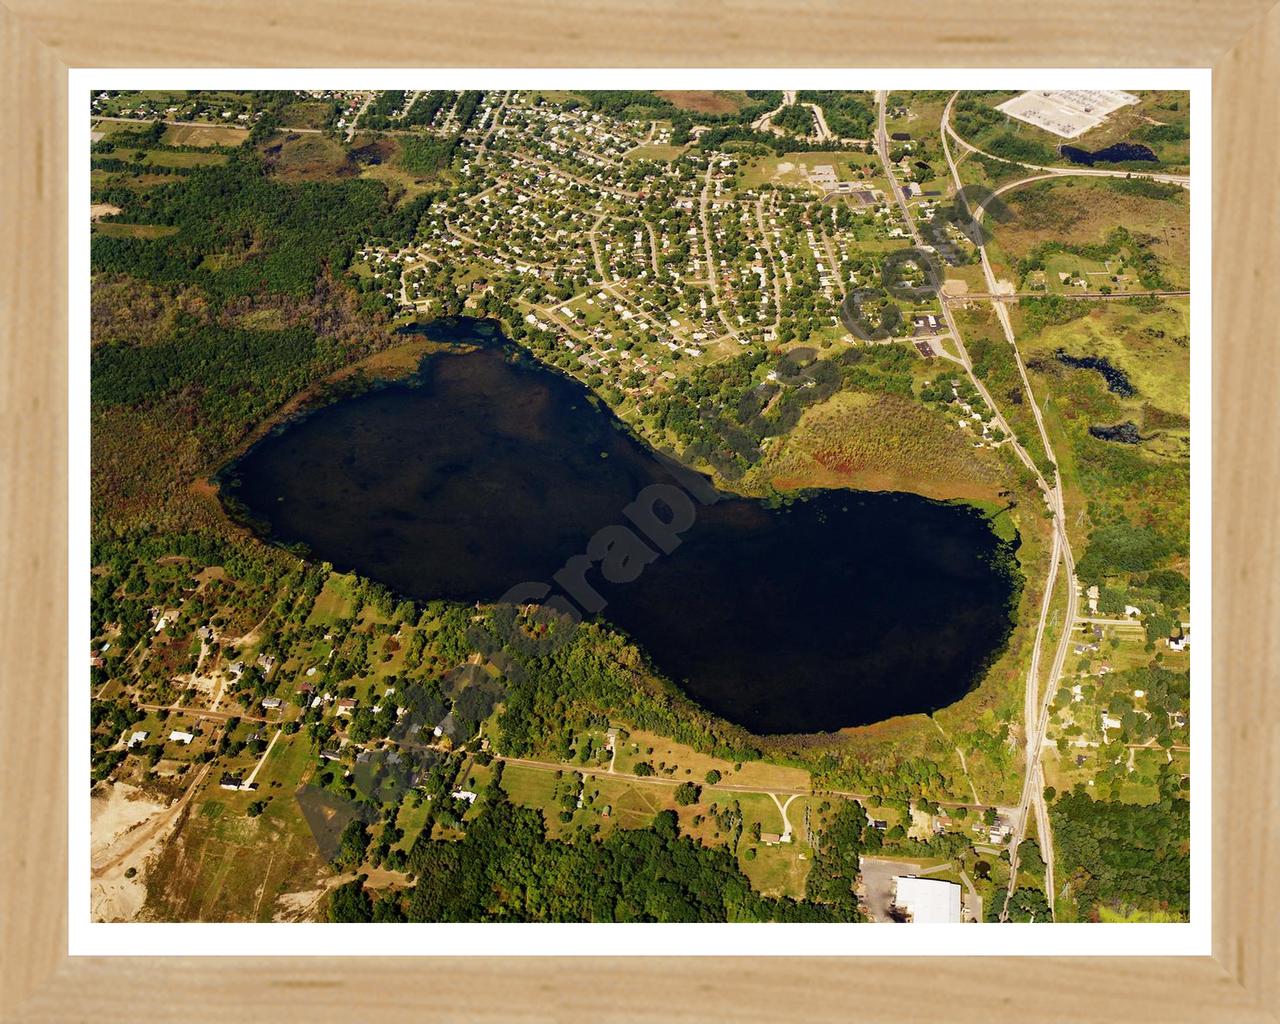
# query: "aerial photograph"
639,506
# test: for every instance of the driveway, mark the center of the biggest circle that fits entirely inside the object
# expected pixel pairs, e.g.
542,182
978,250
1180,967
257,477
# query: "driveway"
877,879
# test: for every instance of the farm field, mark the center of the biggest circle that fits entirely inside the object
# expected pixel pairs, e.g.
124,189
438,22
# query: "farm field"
723,101
204,135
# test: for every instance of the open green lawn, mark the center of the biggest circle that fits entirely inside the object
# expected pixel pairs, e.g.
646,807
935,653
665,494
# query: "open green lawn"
410,819
654,151
777,870
171,158
529,787
334,601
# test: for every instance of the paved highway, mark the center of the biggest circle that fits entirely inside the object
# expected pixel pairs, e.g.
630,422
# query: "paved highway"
1036,698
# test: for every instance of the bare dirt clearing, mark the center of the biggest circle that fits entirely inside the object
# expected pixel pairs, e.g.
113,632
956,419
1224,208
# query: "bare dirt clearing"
121,840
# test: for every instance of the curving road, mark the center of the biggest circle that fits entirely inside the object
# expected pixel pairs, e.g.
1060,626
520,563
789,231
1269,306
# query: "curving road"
882,148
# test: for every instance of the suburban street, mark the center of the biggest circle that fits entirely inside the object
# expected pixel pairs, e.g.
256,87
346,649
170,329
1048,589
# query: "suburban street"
355,120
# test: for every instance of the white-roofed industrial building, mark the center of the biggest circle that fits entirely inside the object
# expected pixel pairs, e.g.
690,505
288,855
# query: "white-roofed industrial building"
927,900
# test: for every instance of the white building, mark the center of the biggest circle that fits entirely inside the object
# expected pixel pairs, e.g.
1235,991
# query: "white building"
927,900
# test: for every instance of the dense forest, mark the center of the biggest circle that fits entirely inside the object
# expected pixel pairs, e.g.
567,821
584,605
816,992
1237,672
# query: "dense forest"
849,114
239,230
1124,856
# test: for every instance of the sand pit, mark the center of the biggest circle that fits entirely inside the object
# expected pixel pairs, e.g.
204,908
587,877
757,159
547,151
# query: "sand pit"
115,811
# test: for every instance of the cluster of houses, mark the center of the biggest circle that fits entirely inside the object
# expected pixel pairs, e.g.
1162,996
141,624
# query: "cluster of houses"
981,422
997,833
145,109
662,270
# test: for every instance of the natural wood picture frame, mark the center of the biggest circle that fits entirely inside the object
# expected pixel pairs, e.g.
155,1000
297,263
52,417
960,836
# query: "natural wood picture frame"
41,39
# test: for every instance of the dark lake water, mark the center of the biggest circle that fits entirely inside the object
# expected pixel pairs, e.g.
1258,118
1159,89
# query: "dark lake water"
1117,380
485,471
1122,433
1117,153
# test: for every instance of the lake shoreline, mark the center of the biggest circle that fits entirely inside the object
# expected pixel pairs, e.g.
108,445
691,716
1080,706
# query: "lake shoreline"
379,458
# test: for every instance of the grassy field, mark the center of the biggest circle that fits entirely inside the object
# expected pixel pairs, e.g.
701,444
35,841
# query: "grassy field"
203,135
972,276
99,178
882,442
168,158
923,114
223,865
1079,212
1109,916
686,764
109,128
307,114
778,870
334,601
654,151
299,157
1150,345
118,229
409,186
706,101
793,168
529,787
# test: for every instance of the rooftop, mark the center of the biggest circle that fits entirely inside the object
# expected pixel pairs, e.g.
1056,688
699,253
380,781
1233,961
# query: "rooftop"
928,900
